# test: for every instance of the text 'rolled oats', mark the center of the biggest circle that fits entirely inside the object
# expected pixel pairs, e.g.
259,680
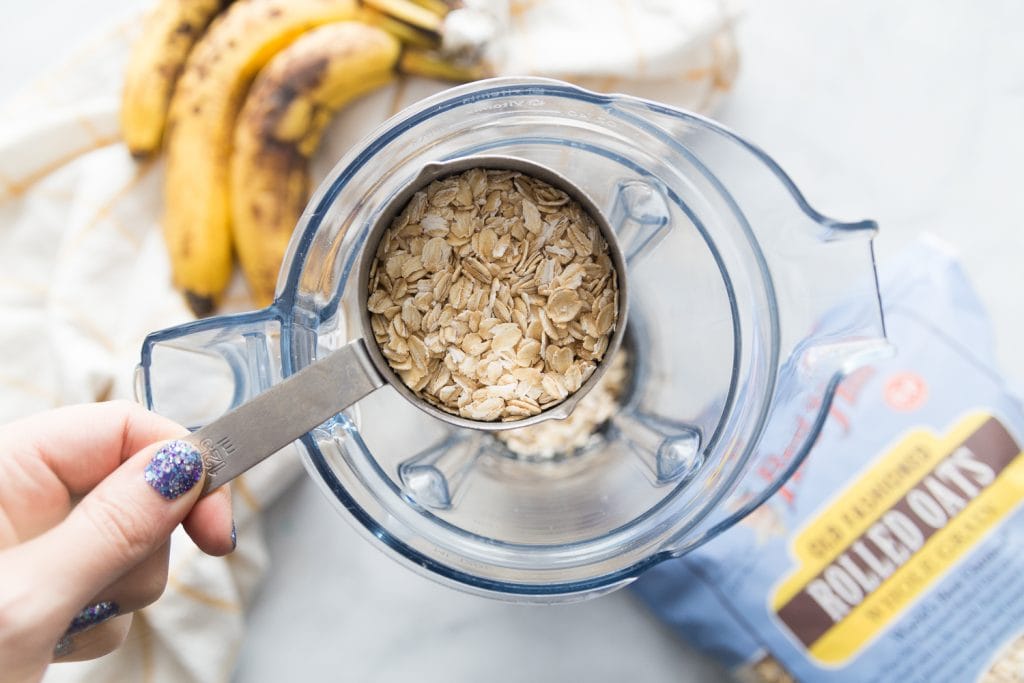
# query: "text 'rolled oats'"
492,295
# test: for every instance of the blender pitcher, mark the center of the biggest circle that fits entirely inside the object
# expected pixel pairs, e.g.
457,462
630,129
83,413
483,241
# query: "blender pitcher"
744,303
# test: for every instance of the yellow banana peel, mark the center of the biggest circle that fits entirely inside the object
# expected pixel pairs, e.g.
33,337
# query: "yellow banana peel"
279,128
168,33
200,129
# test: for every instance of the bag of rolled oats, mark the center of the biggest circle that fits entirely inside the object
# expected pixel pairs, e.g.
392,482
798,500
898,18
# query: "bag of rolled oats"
896,551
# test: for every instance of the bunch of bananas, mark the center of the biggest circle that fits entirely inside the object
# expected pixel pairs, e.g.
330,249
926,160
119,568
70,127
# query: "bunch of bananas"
239,93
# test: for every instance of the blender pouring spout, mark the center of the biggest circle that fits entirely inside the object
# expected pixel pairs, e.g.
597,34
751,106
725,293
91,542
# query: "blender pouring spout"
835,304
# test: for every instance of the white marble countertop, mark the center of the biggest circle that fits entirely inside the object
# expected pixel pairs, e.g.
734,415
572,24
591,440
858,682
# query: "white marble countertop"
910,113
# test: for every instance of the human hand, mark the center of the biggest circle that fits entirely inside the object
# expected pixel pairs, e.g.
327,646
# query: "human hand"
89,496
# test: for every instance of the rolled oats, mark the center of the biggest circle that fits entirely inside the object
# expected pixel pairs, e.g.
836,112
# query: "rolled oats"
558,437
492,295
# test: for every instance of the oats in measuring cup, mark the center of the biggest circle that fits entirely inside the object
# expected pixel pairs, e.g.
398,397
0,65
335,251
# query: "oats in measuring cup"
492,295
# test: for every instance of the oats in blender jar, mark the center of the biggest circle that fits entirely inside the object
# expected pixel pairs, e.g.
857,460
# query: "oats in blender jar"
553,438
492,295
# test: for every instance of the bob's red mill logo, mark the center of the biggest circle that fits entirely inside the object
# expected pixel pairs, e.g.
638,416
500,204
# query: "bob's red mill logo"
895,531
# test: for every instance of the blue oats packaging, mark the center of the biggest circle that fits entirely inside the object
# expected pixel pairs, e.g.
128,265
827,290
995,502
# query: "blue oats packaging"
896,551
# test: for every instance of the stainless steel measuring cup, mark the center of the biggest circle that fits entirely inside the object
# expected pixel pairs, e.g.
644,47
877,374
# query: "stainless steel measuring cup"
247,435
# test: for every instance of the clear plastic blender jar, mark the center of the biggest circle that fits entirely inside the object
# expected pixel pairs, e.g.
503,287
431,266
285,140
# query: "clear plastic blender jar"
734,283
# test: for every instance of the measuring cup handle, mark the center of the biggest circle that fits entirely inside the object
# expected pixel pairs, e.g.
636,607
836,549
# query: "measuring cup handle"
247,435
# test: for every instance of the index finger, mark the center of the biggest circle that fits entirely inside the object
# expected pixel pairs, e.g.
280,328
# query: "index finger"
82,444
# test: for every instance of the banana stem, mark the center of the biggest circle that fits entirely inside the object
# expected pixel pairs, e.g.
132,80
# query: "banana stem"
409,12
438,7
409,35
429,64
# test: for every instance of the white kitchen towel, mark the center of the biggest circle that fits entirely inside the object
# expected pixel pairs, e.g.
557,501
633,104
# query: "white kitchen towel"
84,275
680,52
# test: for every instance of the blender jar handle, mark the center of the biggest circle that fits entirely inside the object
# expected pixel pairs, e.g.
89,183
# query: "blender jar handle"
194,373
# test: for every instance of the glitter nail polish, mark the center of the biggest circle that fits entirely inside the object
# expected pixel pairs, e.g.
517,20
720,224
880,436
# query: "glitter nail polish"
234,536
175,469
92,615
63,647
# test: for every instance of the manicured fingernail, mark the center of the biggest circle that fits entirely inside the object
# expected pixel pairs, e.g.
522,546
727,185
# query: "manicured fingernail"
92,615
175,468
234,536
63,647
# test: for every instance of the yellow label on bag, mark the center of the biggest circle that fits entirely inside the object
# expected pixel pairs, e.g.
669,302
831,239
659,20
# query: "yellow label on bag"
901,526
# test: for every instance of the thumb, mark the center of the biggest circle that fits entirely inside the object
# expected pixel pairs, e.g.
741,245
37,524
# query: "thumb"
122,521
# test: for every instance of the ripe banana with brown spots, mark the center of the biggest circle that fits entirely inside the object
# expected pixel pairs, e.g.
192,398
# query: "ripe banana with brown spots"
168,33
279,129
204,106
